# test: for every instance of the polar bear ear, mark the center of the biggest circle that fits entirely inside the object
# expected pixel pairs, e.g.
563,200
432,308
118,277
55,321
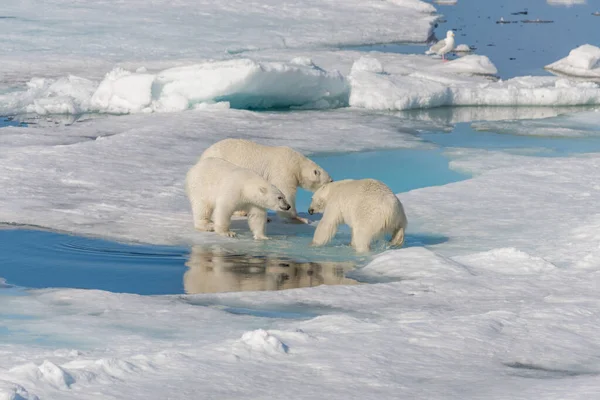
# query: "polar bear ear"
263,190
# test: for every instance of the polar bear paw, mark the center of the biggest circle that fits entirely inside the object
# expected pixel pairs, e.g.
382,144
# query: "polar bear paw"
205,227
260,237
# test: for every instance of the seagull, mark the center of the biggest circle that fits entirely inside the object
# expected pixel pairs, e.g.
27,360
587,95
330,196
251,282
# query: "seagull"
443,46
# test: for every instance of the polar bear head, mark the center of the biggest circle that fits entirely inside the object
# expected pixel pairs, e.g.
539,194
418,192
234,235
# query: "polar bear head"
319,199
312,176
268,196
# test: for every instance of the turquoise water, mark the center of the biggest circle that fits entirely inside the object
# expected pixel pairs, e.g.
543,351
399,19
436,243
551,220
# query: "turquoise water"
516,48
463,135
401,169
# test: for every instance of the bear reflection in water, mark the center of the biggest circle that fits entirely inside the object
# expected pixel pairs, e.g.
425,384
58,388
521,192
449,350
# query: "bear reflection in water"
212,270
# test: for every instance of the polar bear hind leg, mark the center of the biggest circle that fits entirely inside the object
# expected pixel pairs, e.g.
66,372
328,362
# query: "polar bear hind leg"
362,236
398,237
202,211
257,219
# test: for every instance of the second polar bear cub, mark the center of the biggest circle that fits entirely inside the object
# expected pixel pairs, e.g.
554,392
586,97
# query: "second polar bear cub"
216,189
283,166
368,206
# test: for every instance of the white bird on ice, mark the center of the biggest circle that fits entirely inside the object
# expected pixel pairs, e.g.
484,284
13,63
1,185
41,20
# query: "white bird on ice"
443,46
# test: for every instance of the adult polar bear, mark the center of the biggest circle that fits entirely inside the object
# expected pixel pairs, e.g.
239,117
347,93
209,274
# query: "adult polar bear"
368,206
283,167
216,189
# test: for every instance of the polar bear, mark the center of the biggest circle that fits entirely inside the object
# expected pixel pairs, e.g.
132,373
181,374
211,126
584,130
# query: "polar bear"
283,167
216,188
368,206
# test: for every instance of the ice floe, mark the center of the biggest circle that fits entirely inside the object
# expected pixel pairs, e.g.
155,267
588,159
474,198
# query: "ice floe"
583,61
456,83
306,80
242,83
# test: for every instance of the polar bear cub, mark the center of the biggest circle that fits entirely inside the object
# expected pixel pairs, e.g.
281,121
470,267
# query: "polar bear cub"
216,189
282,166
368,206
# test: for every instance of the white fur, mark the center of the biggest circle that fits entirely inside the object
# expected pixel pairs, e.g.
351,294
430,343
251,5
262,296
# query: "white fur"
368,206
283,167
216,189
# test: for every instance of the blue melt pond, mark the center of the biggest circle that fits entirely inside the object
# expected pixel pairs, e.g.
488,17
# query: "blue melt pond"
40,259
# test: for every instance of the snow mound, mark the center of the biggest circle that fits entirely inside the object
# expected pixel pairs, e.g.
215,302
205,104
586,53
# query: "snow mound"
411,263
471,64
260,342
241,83
368,64
509,261
123,92
462,48
583,61
47,372
13,391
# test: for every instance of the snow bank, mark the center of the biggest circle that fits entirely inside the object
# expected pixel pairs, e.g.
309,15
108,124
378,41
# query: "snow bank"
88,38
456,84
242,83
584,61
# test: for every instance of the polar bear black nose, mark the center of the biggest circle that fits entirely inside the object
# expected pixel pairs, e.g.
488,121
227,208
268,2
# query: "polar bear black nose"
311,211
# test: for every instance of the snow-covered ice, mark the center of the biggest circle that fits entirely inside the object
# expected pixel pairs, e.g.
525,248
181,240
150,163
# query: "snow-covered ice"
464,82
60,37
504,305
583,61
509,297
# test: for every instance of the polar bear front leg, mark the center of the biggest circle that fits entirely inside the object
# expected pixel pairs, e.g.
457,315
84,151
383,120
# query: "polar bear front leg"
327,228
222,218
257,220
202,211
